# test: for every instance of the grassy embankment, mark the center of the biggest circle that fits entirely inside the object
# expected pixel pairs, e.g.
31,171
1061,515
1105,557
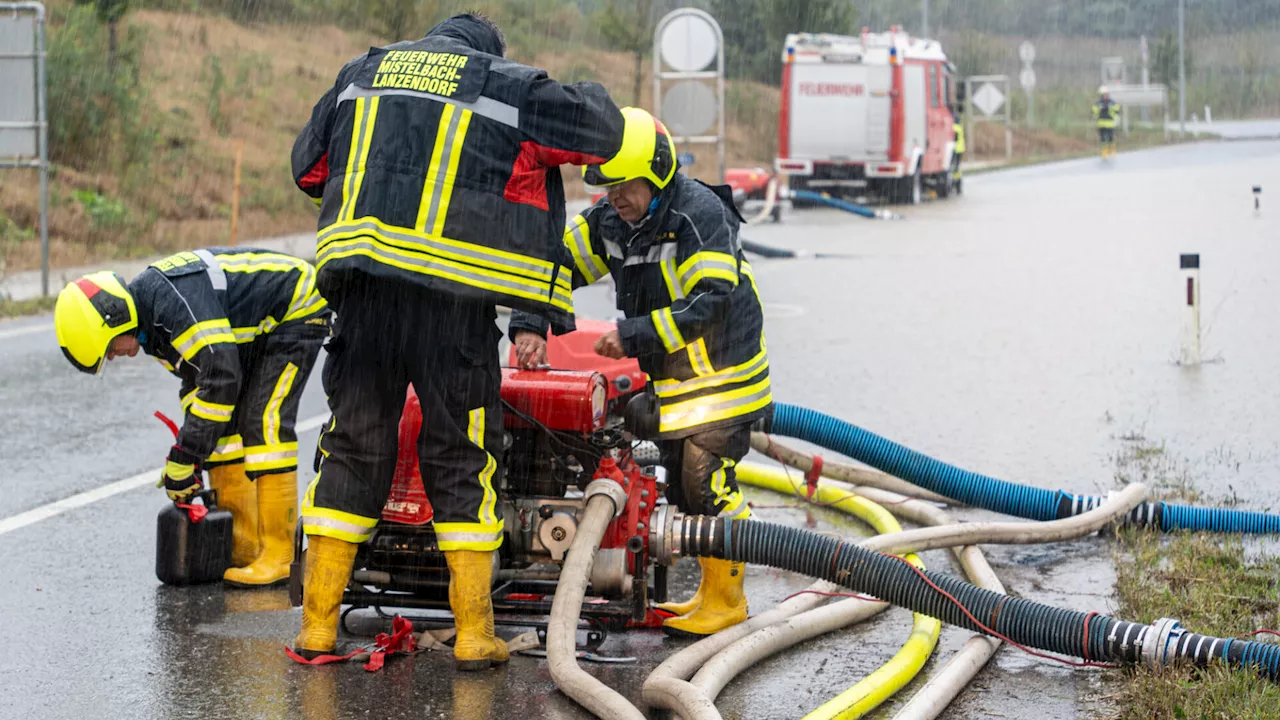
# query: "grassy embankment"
1214,584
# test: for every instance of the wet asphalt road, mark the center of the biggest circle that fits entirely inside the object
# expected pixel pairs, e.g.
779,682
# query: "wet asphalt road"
1021,331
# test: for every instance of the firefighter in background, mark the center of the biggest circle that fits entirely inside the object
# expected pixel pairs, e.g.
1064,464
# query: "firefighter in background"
957,126
436,166
694,321
1105,113
957,175
242,329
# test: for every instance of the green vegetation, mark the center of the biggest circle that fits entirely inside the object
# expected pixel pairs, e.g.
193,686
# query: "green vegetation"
754,31
1215,584
34,306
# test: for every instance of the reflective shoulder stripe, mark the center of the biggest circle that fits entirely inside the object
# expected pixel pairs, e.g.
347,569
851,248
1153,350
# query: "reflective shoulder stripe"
213,269
500,112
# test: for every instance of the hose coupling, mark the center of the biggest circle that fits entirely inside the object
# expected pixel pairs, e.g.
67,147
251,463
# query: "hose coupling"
610,489
673,535
1160,643
664,545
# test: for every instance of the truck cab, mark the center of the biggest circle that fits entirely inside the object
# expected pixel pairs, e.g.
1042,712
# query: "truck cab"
866,115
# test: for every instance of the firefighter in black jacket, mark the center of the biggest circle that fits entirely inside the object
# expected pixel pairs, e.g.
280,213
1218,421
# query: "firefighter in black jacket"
242,329
436,166
693,319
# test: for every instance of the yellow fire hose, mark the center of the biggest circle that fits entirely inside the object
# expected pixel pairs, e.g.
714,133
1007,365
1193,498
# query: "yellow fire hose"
880,685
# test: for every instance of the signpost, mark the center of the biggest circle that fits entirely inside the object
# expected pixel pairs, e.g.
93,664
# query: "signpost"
24,127
989,99
1027,78
686,43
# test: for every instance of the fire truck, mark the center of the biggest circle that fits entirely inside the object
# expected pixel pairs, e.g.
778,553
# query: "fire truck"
867,115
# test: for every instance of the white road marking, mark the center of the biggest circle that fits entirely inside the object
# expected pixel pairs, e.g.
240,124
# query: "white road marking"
25,330
88,497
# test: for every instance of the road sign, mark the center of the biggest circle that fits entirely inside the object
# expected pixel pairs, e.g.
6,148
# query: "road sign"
688,80
1113,71
1027,52
19,121
688,43
24,121
685,159
988,99
689,108
1028,78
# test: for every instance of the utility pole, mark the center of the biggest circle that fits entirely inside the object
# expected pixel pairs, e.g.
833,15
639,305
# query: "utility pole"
1182,68
924,18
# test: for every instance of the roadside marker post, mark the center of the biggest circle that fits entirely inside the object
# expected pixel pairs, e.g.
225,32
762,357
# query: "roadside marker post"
1190,263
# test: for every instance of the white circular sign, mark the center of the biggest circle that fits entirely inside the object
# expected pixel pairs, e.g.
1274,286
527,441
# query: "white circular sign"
1028,78
1027,52
688,43
689,108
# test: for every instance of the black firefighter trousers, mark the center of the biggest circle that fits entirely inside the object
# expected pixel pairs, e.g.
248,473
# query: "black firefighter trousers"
701,475
389,335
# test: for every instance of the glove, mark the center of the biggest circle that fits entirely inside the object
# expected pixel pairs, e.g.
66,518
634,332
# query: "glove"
180,480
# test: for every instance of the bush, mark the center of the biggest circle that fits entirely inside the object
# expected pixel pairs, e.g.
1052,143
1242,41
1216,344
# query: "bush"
103,212
98,117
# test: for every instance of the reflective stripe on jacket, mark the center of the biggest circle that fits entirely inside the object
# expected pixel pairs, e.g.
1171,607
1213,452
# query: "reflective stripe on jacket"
693,314
1106,112
437,164
199,314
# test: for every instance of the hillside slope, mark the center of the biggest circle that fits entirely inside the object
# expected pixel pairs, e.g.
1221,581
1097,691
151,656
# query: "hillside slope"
214,84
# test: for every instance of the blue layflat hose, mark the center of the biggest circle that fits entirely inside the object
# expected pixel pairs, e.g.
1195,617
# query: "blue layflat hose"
845,205
990,493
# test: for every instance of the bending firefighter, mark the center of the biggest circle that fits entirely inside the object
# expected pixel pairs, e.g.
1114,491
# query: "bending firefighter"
695,323
1105,113
242,329
436,166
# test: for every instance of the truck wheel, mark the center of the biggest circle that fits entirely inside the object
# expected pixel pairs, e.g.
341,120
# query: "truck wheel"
943,185
908,190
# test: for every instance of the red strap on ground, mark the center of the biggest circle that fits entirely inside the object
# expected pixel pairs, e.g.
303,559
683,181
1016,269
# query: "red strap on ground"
811,477
400,641
195,512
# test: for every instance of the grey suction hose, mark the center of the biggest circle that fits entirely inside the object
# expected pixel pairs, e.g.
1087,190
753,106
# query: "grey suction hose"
1094,637
717,673
605,499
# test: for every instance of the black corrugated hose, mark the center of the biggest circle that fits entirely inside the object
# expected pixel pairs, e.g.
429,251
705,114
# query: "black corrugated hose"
1097,639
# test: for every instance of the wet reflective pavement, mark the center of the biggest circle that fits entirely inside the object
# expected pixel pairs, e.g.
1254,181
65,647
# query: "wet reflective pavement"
1021,331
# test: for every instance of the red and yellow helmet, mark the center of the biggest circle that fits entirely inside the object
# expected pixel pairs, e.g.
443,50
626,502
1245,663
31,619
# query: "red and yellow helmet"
89,314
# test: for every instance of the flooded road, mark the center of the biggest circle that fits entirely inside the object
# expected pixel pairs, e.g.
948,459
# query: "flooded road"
1019,331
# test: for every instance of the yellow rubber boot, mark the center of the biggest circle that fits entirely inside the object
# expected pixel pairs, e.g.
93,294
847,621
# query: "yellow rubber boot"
688,606
329,563
723,604
237,495
277,515
470,583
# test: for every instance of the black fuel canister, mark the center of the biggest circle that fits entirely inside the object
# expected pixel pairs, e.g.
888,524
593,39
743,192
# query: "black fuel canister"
193,552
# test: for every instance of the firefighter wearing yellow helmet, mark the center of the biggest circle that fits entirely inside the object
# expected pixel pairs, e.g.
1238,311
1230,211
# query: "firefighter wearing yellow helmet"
242,329
694,321
1105,114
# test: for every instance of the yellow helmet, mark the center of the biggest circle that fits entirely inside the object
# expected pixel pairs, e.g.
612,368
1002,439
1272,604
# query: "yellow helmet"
647,152
89,314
